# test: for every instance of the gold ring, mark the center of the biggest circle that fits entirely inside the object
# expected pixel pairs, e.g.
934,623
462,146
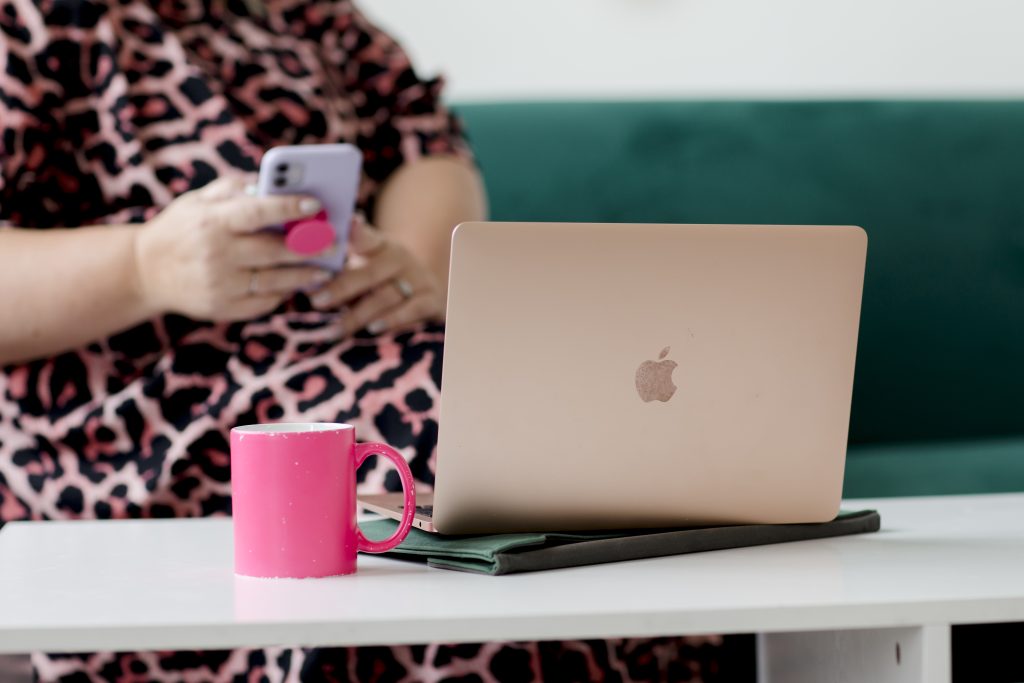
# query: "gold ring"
403,287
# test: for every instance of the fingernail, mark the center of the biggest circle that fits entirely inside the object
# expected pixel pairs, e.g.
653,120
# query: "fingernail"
309,205
376,327
251,190
322,276
321,299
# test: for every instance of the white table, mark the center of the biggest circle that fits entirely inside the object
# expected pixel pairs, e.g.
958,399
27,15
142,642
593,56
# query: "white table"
828,610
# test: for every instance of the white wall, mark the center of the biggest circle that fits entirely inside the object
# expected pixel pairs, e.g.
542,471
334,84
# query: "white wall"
499,49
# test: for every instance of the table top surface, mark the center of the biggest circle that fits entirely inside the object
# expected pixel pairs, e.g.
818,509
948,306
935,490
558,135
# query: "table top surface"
166,584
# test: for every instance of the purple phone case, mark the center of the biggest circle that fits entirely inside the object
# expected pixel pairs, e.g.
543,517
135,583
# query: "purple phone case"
328,172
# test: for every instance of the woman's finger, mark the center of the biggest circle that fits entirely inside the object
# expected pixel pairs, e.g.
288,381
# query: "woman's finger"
412,311
242,213
265,250
280,281
360,282
371,307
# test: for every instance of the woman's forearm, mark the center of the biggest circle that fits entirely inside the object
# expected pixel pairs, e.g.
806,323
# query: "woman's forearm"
422,202
63,288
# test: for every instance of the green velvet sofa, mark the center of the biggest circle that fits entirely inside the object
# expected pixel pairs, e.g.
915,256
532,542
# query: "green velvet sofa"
938,401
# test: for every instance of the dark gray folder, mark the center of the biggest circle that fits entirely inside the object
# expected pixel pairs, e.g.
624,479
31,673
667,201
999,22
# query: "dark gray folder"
512,553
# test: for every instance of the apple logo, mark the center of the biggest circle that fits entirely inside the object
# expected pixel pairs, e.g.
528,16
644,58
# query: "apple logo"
654,378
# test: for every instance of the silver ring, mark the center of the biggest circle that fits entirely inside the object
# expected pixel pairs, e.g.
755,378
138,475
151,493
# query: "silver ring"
254,279
403,287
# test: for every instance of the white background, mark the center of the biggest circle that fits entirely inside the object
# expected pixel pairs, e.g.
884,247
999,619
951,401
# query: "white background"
556,49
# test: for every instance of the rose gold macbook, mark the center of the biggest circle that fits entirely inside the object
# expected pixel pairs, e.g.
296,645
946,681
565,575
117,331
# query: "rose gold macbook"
626,376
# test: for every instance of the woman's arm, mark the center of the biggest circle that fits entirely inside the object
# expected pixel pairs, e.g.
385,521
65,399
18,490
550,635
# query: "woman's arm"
416,162
422,202
63,288
204,256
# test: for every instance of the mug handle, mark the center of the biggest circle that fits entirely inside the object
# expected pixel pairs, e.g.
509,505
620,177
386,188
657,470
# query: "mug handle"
365,450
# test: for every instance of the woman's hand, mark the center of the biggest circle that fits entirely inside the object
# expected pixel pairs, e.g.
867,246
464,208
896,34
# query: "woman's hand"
383,286
206,256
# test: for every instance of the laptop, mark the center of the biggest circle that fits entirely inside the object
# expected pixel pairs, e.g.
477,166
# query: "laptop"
610,376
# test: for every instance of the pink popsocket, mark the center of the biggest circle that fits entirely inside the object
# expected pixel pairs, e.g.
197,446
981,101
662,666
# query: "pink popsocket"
309,235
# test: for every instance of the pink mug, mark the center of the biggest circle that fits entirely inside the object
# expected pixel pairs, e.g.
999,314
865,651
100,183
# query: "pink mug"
294,499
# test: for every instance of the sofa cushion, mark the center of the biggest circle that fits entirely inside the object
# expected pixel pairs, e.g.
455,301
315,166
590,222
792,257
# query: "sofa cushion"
916,469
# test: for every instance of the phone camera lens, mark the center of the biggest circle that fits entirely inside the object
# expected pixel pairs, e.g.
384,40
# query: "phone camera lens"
279,182
282,168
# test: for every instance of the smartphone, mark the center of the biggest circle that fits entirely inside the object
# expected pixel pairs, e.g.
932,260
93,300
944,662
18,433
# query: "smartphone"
328,172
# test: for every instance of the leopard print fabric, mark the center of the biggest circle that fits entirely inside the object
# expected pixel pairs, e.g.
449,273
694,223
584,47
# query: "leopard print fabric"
109,110
611,661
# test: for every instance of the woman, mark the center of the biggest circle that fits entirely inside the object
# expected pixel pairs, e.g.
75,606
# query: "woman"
147,313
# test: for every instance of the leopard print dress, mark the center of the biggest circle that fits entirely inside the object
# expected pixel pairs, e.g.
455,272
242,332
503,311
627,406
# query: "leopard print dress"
108,110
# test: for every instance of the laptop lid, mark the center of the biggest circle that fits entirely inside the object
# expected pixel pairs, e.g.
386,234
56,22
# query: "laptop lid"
636,375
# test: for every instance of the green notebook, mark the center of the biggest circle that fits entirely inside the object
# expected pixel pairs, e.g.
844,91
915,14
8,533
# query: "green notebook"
513,553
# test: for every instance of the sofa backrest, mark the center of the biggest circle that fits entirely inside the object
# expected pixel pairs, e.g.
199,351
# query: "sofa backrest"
939,187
